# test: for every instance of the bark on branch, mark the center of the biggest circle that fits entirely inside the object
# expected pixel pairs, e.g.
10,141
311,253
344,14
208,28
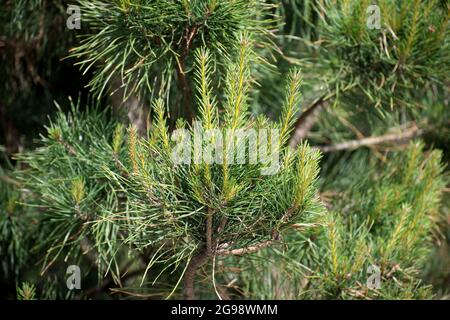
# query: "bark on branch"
189,275
306,121
408,134
200,259
211,249
242,251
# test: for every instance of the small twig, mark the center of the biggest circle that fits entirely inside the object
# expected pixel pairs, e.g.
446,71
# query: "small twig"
181,72
11,181
242,251
201,258
288,215
305,122
261,245
206,253
185,89
309,117
365,142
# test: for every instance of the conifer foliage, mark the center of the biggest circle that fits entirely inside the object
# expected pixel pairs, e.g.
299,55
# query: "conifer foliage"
148,45
290,151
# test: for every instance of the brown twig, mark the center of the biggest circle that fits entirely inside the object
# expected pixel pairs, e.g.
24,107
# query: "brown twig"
242,251
11,181
261,245
211,250
189,275
185,89
408,134
306,121
197,261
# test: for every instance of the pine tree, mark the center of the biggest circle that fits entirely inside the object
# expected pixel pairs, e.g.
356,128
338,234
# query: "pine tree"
138,181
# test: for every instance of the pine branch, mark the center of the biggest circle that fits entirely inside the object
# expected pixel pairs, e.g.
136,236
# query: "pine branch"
185,89
406,135
305,122
189,275
11,181
246,250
